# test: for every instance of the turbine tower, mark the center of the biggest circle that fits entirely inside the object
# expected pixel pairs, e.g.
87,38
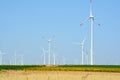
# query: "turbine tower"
91,17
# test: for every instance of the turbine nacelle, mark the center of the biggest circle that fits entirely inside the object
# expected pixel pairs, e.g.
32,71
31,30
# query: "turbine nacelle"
49,40
91,17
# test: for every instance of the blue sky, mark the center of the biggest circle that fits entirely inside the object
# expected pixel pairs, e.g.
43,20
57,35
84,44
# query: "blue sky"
26,25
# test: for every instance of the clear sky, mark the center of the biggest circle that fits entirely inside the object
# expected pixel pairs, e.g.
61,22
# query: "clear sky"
26,25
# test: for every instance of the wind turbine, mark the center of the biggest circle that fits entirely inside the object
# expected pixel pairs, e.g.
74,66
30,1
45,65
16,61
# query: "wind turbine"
15,62
1,57
44,60
64,60
82,44
91,17
49,49
21,60
54,58
86,58
10,62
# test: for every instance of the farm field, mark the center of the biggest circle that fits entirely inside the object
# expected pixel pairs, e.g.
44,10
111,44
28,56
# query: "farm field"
60,72
57,75
92,68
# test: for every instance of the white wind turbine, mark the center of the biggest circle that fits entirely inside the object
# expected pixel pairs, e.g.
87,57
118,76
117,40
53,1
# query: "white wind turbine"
54,59
44,56
82,44
21,60
49,50
64,60
86,56
1,57
91,17
15,59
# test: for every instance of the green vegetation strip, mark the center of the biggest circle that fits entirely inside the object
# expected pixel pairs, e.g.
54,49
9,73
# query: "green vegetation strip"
94,68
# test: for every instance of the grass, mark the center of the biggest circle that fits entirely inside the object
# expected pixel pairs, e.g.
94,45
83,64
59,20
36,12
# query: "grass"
93,68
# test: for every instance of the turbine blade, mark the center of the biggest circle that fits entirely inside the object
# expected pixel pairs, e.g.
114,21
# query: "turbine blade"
97,23
84,21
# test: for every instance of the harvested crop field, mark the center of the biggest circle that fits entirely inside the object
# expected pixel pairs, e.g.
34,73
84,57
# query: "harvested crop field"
57,75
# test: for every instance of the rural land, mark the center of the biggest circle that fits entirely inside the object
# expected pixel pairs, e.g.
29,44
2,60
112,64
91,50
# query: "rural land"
61,72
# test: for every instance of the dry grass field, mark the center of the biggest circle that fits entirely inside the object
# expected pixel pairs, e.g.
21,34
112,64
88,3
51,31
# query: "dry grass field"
57,75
